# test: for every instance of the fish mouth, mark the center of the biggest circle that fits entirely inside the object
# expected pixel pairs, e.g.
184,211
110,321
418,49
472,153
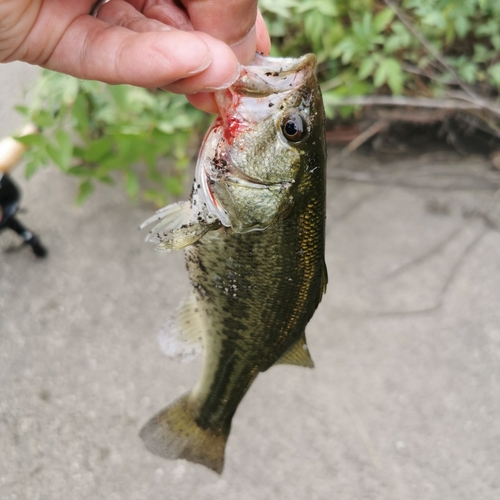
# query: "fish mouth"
260,90
266,76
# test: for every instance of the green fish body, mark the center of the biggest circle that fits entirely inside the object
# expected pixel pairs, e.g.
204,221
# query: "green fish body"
253,235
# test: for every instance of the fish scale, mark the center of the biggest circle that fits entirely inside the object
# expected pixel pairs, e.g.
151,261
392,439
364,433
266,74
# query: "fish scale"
253,235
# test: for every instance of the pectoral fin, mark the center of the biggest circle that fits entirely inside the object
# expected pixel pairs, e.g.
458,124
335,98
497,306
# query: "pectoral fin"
297,355
184,236
178,227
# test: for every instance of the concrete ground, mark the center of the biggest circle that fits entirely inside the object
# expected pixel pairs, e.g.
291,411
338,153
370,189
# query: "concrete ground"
404,402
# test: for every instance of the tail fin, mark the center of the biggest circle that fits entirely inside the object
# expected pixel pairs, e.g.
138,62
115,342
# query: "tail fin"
173,433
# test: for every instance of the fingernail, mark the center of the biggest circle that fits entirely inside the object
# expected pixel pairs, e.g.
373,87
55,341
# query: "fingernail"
202,67
245,48
227,83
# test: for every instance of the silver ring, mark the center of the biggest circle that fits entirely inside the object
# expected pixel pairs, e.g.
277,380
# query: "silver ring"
97,7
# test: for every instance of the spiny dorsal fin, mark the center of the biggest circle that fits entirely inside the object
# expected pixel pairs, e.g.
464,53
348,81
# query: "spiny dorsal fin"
182,337
297,355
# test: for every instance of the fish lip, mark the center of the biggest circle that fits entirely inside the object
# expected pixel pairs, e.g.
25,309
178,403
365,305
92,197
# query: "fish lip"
266,76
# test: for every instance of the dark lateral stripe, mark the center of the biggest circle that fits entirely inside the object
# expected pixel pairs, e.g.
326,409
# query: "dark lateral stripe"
232,379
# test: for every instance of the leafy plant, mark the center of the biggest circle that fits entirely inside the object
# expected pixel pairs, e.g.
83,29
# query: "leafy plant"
92,131
363,48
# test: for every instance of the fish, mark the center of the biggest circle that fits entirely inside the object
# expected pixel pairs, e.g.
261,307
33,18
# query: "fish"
253,233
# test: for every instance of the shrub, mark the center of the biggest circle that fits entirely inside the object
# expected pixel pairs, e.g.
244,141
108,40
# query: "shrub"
92,130
365,48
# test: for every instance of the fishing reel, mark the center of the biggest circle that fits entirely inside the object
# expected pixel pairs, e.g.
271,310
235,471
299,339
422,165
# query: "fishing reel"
11,152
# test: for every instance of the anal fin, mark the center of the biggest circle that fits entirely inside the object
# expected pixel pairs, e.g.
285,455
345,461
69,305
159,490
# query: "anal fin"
297,355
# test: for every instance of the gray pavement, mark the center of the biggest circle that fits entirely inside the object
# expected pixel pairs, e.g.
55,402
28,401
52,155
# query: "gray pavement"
404,402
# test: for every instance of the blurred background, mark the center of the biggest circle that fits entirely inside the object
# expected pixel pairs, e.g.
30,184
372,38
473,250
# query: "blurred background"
404,402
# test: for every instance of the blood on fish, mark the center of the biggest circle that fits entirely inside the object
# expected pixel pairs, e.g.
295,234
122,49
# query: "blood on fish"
232,127
218,122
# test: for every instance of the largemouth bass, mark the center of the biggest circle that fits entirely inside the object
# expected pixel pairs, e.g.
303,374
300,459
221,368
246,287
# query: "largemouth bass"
253,235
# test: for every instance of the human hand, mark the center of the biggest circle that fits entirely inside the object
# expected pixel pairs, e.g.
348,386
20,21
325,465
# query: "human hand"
148,43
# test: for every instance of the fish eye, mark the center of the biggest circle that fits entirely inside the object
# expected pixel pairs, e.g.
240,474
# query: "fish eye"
293,127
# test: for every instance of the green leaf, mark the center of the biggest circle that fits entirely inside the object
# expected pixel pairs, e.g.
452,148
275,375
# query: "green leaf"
23,110
36,140
392,44
31,167
80,113
131,184
281,8
79,171
62,153
494,73
106,179
346,49
85,189
43,119
434,18
366,68
114,163
390,72
165,126
468,72
97,149
395,79
70,88
328,8
382,20
495,41
120,95
462,26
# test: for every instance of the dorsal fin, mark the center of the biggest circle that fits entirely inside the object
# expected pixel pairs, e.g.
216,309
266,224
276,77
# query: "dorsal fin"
297,355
